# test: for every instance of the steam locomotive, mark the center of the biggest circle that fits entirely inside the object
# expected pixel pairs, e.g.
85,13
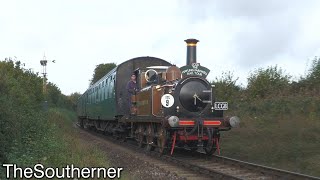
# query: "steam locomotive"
174,107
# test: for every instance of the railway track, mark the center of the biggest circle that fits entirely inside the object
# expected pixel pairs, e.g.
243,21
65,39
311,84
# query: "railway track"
227,168
200,166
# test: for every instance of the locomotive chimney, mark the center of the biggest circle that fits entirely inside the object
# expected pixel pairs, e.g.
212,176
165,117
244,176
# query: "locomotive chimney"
191,51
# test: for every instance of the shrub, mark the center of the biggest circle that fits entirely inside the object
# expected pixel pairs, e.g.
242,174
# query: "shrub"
265,83
226,88
309,85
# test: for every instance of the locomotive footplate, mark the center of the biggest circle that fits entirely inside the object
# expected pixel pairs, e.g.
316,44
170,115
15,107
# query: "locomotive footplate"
202,133
203,122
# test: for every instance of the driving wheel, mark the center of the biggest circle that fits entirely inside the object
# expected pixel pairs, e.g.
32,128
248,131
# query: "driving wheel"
150,137
140,135
162,139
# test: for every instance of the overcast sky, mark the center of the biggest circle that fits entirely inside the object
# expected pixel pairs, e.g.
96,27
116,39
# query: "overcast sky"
234,35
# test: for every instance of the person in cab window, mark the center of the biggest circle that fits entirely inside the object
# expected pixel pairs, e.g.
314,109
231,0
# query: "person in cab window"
132,87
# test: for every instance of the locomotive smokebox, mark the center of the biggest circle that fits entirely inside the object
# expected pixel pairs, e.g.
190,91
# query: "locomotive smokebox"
191,50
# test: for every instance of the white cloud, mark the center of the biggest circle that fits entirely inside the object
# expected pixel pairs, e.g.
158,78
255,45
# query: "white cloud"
234,35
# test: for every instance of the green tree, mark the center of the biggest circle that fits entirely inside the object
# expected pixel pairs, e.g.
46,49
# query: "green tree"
268,82
309,85
20,102
53,93
315,70
225,87
73,98
313,78
101,70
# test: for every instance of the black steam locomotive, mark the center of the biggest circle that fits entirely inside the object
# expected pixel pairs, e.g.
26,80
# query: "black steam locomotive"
174,107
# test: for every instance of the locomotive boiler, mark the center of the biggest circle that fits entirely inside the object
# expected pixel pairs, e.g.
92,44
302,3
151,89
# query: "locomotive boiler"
174,107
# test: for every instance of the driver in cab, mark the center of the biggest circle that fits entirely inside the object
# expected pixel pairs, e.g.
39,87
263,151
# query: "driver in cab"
132,87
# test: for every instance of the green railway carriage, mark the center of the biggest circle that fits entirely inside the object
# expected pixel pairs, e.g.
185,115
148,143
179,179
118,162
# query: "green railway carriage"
108,98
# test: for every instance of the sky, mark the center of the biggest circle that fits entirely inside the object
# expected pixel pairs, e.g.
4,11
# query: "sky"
236,36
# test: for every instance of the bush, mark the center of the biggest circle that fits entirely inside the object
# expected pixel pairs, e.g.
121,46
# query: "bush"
266,83
24,131
309,85
226,88
279,120
20,102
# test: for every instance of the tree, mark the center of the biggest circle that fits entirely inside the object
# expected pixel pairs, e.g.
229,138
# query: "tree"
73,98
314,75
225,87
101,70
53,94
311,83
268,82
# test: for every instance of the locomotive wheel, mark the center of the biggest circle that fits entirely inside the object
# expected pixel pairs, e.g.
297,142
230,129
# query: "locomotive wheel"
123,137
150,137
193,146
140,135
80,121
162,140
210,146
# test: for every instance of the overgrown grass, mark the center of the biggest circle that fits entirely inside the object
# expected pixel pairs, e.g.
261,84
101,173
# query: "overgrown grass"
279,118
54,142
28,135
69,147
280,132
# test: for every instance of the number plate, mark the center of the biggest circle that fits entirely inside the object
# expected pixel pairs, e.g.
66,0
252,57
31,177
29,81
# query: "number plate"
167,100
221,106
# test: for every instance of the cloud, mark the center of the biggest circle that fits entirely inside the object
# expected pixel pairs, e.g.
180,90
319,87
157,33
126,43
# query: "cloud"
251,34
234,35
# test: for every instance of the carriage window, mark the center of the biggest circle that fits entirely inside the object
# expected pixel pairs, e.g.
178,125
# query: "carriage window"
96,90
106,89
110,87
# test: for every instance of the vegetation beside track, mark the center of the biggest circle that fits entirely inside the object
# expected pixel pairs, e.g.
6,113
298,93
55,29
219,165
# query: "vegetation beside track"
279,119
29,134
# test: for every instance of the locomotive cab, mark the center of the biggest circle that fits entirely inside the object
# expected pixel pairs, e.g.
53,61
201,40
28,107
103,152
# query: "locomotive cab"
152,75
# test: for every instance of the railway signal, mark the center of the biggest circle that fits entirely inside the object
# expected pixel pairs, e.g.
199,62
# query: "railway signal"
44,73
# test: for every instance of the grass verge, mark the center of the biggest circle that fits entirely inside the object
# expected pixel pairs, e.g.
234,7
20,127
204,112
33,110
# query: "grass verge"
54,142
282,133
